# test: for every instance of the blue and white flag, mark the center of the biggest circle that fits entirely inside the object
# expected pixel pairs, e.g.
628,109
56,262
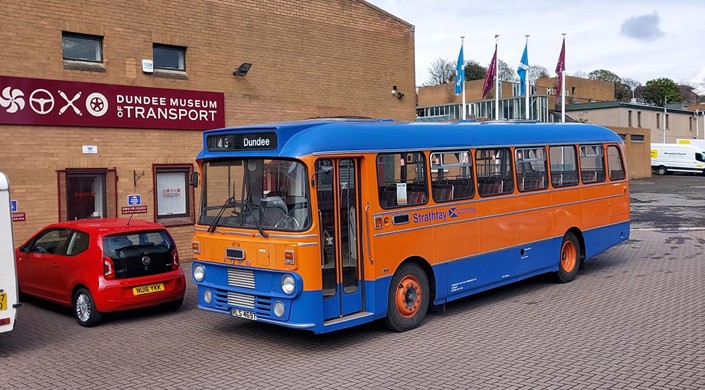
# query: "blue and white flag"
523,69
460,73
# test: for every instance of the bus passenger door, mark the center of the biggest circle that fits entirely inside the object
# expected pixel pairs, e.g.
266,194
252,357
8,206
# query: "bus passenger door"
338,208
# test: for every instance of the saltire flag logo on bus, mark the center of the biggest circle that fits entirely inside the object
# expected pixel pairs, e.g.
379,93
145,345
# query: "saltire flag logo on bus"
523,69
452,213
460,73
560,68
489,78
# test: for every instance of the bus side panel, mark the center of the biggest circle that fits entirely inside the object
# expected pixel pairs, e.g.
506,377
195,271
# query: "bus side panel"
602,238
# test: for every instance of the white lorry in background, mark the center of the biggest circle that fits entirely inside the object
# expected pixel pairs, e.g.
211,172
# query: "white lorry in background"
667,158
699,143
9,301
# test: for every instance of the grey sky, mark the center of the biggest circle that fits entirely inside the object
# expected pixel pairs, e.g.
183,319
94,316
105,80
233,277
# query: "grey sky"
637,39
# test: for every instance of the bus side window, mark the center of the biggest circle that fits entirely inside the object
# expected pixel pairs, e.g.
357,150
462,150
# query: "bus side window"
564,166
592,163
401,179
615,163
494,171
531,168
451,176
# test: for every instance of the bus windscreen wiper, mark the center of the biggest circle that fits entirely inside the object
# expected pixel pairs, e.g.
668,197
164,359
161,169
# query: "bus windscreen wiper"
249,208
227,203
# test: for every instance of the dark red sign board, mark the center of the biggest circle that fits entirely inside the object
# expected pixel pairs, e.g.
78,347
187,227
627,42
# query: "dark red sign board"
25,101
134,210
17,217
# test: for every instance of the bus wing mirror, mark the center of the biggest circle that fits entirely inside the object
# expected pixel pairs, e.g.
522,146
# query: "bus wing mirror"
320,171
194,179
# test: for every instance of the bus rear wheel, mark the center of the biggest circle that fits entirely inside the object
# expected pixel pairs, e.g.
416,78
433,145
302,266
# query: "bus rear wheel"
408,298
569,260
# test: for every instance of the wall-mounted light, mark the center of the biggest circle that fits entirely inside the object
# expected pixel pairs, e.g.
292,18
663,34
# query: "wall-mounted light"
243,69
399,94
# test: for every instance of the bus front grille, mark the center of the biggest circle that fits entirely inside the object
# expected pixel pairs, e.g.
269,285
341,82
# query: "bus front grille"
241,278
242,300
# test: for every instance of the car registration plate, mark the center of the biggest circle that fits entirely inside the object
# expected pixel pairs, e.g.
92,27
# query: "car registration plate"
148,289
3,301
249,315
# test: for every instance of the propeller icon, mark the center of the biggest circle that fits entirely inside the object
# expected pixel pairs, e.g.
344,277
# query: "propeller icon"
12,98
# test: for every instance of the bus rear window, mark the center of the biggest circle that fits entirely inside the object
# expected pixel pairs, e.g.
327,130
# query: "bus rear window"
401,179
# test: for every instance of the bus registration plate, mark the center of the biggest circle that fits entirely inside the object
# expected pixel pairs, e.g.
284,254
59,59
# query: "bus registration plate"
148,289
3,301
243,314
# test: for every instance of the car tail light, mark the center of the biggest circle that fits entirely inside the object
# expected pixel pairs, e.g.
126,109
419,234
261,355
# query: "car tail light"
174,259
108,268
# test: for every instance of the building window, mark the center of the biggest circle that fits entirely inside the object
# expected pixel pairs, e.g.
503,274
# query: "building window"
80,47
638,118
658,121
169,57
173,197
629,118
667,126
690,123
637,138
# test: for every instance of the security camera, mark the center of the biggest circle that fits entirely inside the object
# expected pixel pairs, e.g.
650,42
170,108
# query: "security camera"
394,90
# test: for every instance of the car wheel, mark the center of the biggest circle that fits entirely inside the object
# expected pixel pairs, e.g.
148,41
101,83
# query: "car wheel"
662,170
569,259
84,308
408,299
173,305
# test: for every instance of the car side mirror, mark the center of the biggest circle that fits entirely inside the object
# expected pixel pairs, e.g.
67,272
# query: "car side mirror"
24,248
194,179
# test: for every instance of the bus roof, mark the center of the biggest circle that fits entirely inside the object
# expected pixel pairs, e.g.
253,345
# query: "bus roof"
325,136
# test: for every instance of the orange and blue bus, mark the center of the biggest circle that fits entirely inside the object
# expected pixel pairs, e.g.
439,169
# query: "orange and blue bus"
330,223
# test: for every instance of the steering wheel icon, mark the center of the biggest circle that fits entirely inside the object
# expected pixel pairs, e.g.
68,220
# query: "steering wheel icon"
39,103
96,104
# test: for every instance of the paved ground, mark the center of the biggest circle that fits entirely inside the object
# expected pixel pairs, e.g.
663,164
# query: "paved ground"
634,319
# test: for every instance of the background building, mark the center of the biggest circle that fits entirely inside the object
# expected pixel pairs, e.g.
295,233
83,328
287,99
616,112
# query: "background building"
103,103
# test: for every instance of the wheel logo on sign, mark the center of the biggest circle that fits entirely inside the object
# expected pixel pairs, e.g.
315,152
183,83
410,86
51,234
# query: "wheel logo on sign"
39,99
97,104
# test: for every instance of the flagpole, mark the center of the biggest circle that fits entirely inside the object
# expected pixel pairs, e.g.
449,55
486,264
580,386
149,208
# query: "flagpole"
563,87
526,89
462,45
496,77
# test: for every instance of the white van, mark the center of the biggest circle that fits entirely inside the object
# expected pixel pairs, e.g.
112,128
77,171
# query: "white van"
700,143
667,158
9,301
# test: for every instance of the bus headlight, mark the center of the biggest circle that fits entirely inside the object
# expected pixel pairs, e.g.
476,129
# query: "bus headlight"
199,273
279,309
288,284
207,296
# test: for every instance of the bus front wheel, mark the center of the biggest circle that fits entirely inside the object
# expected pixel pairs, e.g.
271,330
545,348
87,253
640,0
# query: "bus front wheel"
408,299
569,260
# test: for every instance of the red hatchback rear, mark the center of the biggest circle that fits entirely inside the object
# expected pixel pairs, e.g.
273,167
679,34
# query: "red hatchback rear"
102,265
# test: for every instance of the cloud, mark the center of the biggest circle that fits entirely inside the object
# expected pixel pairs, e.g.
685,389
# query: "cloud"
698,82
644,27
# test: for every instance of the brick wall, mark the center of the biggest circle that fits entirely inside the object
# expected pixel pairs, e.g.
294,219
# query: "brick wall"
311,58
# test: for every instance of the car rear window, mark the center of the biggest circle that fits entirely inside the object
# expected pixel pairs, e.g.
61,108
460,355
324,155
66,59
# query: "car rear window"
140,254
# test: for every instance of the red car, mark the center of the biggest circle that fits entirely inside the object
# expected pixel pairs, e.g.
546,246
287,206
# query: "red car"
102,265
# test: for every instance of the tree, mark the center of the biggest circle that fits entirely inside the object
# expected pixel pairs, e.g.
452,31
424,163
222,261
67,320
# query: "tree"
474,71
604,75
506,73
537,72
442,71
579,73
659,89
626,90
